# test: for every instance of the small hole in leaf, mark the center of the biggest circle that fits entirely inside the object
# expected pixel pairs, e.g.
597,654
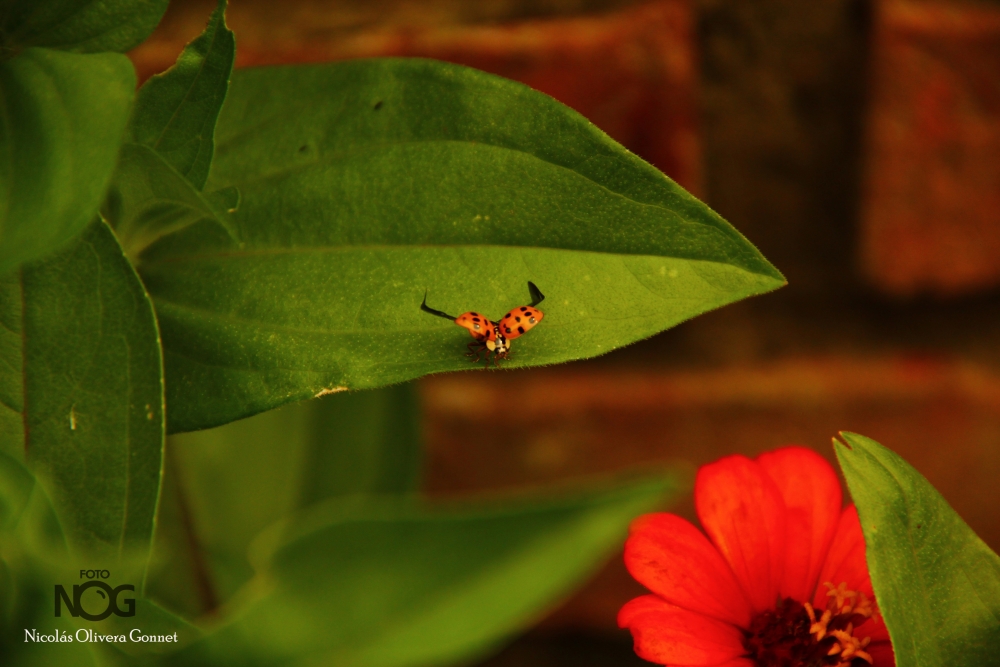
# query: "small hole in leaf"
378,105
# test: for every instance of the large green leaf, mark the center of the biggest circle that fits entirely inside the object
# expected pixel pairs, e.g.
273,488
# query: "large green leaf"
81,385
365,183
63,118
86,26
937,583
395,583
225,485
175,112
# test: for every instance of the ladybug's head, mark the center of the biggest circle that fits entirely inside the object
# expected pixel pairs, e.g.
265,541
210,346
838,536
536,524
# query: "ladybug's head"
501,346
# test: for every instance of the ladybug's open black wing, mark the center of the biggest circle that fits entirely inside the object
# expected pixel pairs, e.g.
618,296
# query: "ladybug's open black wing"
427,309
536,294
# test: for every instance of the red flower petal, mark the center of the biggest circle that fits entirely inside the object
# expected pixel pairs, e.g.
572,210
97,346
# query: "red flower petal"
742,512
672,558
873,628
882,654
812,496
845,562
669,635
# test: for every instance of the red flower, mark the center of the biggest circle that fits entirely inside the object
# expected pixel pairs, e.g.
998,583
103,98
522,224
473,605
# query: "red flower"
782,583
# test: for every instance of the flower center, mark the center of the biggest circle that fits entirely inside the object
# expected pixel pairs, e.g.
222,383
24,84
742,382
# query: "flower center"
794,635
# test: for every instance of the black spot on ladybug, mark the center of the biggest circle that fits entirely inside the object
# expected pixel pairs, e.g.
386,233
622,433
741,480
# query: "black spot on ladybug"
509,331
506,316
378,105
475,319
518,319
520,330
524,308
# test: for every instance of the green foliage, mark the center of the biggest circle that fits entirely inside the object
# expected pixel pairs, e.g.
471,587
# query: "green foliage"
288,260
413,584
83,26
64,116
365,183
175,112
150,199
227,484
319,547
82,389
31,540
937,583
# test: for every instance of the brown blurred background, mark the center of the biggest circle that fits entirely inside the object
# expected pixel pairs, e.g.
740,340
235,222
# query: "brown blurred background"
855,142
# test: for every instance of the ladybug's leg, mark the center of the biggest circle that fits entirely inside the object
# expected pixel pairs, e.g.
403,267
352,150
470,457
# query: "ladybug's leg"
476,348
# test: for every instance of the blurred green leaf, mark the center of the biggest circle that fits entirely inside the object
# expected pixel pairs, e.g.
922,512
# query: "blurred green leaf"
81,344
928,568
224,485
363,442
175,112
64,117
16,485
34,557
85,26
149,199
365,183
32,548
397,583
11,370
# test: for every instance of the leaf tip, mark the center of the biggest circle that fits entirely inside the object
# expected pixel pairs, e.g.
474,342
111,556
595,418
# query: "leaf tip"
843,442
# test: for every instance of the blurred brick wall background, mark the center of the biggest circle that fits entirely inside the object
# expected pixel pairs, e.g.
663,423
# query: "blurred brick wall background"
855,142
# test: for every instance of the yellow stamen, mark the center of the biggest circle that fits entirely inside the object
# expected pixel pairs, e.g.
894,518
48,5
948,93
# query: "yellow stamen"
864,606
840,594
842,601
810,611
849,646
818,628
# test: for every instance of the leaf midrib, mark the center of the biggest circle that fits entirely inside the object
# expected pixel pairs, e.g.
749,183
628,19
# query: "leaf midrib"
342,154
286,328
376,247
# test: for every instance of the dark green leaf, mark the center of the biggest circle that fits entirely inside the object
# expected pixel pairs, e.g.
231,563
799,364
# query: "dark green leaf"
391,584
365,183
63,119
224,485
175,112
85,26
149,199
91,393
937,584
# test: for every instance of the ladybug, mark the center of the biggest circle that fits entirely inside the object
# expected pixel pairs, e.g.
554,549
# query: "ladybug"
494,337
